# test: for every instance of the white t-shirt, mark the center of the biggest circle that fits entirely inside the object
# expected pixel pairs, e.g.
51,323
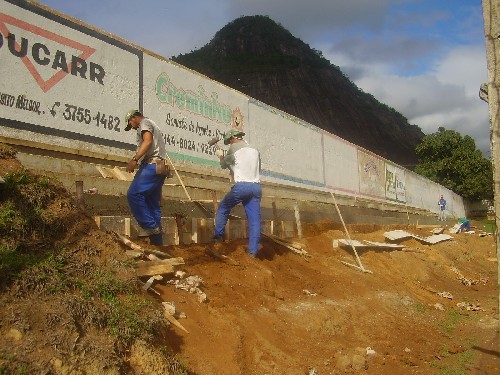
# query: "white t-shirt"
157,149
243,161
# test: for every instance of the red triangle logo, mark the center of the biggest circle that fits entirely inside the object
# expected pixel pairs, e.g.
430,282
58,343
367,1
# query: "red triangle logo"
45,85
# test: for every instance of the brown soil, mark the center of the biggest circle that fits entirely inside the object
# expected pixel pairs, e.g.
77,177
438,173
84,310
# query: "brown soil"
279,313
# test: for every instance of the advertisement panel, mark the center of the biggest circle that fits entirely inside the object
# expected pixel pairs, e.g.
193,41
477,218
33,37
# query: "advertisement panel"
371,175
191,109
395,184
60,78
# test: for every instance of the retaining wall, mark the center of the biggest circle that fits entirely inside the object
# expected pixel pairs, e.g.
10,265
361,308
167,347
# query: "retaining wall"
67,85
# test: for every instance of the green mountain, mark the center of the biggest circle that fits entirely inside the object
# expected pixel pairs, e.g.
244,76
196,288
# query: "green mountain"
260,58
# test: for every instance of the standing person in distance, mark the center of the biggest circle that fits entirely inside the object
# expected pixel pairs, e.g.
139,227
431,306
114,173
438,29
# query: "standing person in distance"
442,208
243,162
144,193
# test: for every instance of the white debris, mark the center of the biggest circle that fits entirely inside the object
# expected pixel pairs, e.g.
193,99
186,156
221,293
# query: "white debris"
407,350
202,297
308,293
438,306
169,307
445,295
470,306
190,284
370,351
180,274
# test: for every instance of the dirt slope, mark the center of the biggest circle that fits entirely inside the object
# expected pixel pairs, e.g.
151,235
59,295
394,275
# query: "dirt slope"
285,314
280,313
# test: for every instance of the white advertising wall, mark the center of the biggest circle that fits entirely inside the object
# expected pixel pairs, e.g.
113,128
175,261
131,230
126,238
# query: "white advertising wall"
291,151
341,164
68,84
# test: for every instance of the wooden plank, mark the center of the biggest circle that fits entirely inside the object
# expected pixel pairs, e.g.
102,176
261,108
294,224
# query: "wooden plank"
147,269
384,245
157,267
174,321
122,175
105,172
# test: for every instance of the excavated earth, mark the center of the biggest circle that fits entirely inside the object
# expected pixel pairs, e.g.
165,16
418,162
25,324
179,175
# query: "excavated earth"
424,309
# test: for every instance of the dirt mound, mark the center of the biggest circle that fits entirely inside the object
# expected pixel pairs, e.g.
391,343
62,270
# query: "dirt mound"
71,303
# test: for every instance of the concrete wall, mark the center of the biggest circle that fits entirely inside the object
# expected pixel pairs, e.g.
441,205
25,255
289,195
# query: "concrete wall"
67,84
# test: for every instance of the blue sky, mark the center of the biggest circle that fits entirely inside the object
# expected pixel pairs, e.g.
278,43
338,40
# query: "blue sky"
424,58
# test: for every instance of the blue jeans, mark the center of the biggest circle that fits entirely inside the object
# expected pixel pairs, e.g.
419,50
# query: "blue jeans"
144,196
249,194
465,226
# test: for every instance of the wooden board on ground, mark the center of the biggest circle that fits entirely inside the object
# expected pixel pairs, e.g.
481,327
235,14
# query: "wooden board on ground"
396,235
367,244
157,267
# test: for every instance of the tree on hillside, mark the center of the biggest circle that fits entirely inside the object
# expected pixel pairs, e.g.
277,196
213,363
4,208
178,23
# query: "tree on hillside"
453,161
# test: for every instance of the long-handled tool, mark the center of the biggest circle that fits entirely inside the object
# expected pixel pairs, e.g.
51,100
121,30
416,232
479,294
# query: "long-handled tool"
360,265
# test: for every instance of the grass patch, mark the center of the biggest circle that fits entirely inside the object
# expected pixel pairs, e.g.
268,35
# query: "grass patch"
419,307
12,262
175,365
451,321
127,319
489,226
458,368
10,365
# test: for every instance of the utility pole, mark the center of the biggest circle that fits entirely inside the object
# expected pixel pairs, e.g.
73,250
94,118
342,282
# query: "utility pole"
491,15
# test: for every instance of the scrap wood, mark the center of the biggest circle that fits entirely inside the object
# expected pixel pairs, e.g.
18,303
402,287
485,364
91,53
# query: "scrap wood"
105,172
298,245
368,244
357,267
124,240
151,280
157,267
174,321
358,260
122,175
295,248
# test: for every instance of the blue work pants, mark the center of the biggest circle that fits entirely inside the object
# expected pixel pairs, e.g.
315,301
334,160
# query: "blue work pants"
144,196
249,194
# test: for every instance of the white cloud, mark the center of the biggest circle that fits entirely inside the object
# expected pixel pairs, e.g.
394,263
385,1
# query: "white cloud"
446,95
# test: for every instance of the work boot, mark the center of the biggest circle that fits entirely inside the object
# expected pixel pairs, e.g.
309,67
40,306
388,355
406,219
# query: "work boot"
215,248
156,239
149,232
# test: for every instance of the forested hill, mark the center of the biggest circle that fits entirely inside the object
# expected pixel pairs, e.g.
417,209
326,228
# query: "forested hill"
260,58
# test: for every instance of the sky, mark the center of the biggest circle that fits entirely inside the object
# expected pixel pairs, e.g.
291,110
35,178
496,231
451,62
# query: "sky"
424,58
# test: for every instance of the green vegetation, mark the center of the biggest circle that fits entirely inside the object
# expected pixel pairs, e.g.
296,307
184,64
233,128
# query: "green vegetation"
451,321
453,161
420,307
454,364
489,226
43,253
